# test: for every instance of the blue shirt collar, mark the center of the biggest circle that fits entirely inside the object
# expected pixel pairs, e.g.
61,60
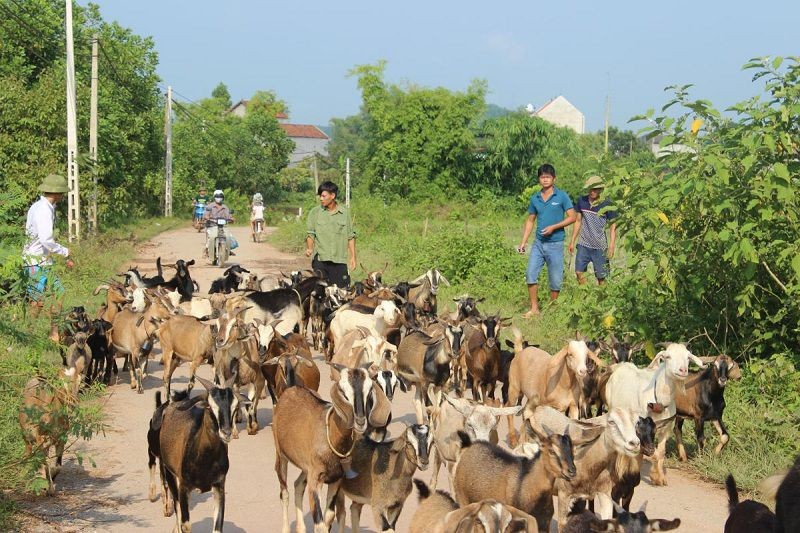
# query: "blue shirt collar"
556,190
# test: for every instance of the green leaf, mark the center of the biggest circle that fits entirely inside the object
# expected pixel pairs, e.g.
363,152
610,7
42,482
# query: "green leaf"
796,265
781,170
776,63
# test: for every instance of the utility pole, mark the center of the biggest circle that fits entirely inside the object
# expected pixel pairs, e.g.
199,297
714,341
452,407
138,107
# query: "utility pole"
168,168
608,109
316,174
73,196
93,137
347,183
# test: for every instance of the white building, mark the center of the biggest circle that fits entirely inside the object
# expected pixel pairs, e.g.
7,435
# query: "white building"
308,139
561,112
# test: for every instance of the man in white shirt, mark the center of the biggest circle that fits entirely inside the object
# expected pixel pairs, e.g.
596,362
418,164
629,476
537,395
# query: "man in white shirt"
41,246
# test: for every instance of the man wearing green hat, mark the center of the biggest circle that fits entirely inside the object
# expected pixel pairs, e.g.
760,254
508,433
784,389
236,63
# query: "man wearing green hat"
41,246
590,232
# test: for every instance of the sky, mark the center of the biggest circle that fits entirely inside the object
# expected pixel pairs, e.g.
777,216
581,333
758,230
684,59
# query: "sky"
528,52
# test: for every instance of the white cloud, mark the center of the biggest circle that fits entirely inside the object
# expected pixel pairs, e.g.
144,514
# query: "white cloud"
507,46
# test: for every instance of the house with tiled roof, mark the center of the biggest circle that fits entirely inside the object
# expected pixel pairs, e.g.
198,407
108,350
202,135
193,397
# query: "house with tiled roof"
561,112
308,139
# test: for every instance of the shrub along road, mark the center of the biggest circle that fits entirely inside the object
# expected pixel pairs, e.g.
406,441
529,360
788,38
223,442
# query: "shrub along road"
112,496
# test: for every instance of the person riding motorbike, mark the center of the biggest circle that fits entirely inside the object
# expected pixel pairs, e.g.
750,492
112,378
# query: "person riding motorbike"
215,210
257,213
199,205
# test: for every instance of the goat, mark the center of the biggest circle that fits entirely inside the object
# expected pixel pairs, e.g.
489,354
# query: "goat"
466,307
477,420
374,279
423,360
291,371
597,443
318,437
485,470
424,296
193,446
116,297
230,281
651,392
627,471
621,351
182,281
384,481
625,522
132,334
79,354
555,380
748,516
154,450
361,346
44,419
385,316
139,281
102,357
702,399
439,513
481,353
784,488
197,306
283,304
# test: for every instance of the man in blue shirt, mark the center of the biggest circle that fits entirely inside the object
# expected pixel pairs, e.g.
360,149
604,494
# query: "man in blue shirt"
547,211
590,232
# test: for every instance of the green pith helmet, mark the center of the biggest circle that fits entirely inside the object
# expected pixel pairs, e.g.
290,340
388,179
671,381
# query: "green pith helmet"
55,184
594,182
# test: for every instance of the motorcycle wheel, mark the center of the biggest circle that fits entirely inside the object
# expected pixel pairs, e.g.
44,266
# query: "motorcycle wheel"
222,253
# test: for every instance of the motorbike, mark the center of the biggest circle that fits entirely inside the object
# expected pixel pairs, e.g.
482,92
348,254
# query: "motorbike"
219,249
258,230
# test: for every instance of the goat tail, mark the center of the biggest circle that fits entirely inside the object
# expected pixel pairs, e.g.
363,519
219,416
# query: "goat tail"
733,493
158,399
517,339
158,267
769,487
464,439
423,489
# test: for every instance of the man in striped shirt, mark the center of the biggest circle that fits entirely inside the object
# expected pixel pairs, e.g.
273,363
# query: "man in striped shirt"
590,232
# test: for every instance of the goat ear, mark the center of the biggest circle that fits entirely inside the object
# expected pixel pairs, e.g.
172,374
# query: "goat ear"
205,383
734,372
459,404
444,280
403,385
343,408
656,360
506,411
664,525
381,412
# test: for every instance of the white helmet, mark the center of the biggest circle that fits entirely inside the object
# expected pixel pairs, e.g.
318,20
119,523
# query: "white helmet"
218,192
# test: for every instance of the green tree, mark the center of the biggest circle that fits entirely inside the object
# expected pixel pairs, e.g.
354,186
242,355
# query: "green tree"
222,93
418,139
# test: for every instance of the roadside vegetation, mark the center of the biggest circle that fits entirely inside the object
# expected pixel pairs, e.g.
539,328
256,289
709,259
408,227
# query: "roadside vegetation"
710,241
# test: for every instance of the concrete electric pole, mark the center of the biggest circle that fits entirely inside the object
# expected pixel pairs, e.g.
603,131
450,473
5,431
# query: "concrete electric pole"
168,167
73,196
93,137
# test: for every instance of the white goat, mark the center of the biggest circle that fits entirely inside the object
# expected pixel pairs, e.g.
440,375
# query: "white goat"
385,316
651,392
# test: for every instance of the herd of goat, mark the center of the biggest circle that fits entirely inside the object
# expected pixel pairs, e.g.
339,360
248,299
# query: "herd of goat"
586,424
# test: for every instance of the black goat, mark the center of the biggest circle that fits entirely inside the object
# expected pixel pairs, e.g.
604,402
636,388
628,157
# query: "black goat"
182,280
230,281
621,351
102,355
466,307
193,448
785,488
703,400
748,516
625,521
133,277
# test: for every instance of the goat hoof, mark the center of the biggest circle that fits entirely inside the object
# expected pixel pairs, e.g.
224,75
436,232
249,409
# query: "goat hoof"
252,431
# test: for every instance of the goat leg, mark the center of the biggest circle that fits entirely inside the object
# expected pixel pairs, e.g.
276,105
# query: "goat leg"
330,504
219,505
281,467
699,432
299,488
355,516
341,512
723,435
679,439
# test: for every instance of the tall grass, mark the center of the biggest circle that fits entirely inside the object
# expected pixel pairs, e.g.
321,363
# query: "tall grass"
26,351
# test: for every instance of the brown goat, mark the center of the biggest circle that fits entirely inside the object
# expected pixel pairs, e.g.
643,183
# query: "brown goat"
291,370
44,419
132,334
240,358
185,338
318,437
481,354
486,470
556,380
116,297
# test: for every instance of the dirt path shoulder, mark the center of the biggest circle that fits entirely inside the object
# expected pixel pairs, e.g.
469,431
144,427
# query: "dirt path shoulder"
111,495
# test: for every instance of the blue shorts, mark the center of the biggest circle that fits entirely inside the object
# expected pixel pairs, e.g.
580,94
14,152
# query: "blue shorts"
39,279
552,254
584,256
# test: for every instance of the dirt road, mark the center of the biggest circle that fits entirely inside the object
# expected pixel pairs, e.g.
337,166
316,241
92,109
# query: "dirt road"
112,496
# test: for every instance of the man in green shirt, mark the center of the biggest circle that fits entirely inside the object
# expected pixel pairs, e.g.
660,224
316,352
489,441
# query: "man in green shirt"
331,237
